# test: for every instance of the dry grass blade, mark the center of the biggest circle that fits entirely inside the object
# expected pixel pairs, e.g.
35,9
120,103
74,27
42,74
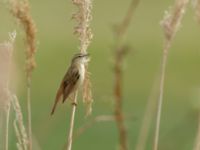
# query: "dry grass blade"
21,10
6,49
19,125
148,116
197,141
170,24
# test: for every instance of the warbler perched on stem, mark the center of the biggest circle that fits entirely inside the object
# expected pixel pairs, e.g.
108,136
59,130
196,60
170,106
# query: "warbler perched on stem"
72,79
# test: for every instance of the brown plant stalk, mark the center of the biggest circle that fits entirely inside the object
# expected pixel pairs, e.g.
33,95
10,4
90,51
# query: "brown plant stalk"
21,10
120,52
170,25
83,32
119,118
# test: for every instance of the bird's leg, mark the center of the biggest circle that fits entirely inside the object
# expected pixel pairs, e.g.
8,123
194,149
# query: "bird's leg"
71,97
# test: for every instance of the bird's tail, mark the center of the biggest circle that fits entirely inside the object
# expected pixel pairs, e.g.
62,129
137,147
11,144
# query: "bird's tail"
58,95
54,108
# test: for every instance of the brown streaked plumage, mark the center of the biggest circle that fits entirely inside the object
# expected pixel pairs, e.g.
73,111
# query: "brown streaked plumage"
72,79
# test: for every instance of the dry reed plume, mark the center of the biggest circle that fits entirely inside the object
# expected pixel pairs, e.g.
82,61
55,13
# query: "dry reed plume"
6,50
83,32
21,10
5,62
120,51
170,25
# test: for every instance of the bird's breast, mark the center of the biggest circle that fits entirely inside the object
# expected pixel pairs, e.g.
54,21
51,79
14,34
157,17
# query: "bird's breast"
82,73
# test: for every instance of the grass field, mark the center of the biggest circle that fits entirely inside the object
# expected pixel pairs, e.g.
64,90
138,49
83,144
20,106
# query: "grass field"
57,44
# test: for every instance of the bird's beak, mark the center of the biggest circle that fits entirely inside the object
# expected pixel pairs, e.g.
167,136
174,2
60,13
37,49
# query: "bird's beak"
86,55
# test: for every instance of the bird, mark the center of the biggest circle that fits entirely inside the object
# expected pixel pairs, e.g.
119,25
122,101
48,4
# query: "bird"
73,78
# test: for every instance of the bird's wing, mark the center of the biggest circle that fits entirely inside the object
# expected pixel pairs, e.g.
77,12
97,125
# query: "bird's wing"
60,91
71,83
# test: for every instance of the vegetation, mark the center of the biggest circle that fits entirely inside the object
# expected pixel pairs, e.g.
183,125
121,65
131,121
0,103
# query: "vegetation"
145,99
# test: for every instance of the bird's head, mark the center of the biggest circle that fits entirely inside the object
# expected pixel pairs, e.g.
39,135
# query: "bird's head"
80,58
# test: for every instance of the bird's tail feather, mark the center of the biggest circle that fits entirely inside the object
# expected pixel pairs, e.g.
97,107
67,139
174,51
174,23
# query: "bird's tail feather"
58,95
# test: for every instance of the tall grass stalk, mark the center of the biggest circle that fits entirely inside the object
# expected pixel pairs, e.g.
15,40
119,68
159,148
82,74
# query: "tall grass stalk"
170,25
148,116
71,127
18,124
83,31
7,126
6,50
120,51
21,10
197,140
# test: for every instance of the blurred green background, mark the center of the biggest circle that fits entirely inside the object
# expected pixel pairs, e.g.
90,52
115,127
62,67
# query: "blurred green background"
55,46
